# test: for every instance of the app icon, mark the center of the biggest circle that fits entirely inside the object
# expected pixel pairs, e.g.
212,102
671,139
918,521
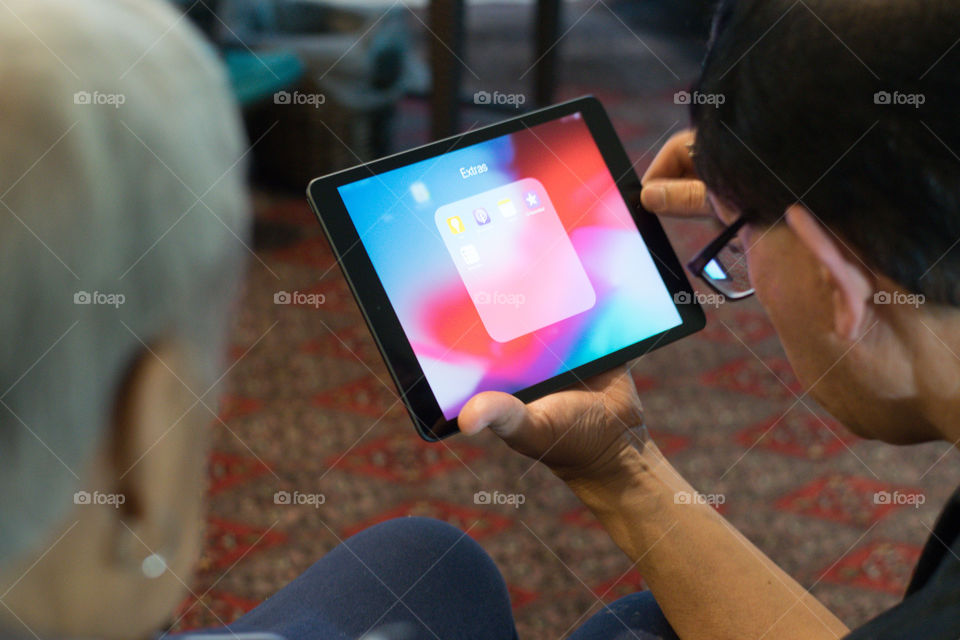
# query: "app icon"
481,216
532,200
507,208
419,192
469,253
455,224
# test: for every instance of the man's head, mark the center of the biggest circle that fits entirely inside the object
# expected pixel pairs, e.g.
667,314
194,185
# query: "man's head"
122,209
837,135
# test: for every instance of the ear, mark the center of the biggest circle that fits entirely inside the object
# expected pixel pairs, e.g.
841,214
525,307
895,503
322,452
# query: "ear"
157,450
847,277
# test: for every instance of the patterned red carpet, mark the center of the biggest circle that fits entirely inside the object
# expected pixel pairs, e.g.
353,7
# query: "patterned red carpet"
310,408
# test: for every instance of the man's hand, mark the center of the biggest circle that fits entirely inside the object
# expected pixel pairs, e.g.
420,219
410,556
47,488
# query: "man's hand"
580,433
671,186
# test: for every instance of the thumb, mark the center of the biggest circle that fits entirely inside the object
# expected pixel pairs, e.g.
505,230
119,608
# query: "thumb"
675,197
502,413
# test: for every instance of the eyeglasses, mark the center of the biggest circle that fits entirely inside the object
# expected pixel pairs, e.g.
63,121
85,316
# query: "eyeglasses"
723,266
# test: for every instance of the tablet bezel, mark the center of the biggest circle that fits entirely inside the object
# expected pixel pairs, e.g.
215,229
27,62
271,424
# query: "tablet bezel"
382,320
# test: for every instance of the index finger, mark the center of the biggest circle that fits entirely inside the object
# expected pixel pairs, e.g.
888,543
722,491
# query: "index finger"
673,160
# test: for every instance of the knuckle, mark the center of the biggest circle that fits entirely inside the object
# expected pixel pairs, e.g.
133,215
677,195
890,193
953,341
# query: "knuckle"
694,195
680,138
634,414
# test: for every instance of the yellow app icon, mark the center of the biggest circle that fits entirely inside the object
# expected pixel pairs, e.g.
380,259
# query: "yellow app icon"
455,224
506,208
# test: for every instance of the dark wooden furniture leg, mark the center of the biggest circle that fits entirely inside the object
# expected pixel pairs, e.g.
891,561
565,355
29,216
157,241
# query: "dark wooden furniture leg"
446,46
547,30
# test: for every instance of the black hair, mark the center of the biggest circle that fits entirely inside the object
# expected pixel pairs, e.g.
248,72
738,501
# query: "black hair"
851,109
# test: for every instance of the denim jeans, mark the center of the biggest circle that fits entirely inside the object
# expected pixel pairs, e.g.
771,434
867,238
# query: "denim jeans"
413,578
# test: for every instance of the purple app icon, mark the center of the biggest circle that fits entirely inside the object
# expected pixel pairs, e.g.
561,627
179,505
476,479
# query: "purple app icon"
481,216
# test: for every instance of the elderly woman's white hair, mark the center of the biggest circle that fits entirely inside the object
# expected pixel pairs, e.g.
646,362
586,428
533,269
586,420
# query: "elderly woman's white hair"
121,174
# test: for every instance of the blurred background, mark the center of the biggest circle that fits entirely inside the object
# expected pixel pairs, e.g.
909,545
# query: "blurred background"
326,85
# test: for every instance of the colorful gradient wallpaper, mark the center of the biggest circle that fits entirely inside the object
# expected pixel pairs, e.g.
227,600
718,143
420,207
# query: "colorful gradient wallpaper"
510,261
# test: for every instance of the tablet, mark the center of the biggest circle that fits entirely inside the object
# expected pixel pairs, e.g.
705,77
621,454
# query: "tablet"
515,257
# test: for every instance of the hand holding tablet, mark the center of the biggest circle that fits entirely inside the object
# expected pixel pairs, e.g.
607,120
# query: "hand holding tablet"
505,259
580,433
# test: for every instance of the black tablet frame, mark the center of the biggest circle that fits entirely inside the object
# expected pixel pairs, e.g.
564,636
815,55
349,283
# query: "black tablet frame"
382,320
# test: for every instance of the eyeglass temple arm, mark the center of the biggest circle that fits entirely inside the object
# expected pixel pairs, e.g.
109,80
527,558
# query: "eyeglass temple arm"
709,252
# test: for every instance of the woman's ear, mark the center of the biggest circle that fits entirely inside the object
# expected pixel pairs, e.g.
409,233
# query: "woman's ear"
157,450
847,276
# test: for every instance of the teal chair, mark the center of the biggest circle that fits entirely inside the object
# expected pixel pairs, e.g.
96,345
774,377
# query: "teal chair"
256,76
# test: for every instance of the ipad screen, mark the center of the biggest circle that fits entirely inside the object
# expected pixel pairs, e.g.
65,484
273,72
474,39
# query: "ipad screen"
510,261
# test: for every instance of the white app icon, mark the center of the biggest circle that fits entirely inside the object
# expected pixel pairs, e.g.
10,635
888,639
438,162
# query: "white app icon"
507,208
469,253
419,192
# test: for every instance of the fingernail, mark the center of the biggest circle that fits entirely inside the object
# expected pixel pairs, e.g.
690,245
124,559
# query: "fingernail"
654,198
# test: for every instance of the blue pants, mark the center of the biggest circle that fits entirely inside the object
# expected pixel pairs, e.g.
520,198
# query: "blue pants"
414,578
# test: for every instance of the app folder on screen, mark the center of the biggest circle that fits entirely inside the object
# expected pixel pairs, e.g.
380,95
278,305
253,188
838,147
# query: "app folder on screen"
515,259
